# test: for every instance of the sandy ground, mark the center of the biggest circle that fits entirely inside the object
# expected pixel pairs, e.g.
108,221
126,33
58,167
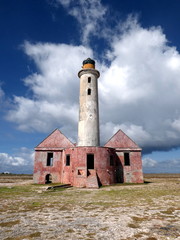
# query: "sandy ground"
116,212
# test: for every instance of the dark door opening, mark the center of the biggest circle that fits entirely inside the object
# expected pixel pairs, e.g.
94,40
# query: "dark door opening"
48,179
90,161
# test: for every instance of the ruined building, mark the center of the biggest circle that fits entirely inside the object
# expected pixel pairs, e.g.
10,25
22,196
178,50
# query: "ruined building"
87,164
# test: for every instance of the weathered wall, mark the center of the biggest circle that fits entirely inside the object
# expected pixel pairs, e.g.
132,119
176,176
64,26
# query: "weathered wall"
41,169
133,172
55,140
54,143
76,173
122,143
121,140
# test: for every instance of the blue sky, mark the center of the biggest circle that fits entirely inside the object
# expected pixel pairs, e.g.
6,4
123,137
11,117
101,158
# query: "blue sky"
136,46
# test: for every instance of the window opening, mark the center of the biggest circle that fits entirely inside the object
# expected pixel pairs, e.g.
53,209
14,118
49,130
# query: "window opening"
89,79
80,172
111,160
89,91
49,159
90,161
68,160
126,159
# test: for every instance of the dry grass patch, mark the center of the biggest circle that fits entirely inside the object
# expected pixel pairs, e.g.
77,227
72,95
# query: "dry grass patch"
139,219
30,236
133,225
9,224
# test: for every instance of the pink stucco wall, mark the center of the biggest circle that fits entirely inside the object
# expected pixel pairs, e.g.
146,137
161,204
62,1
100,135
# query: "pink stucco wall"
76,174
132,173
79,163
41,169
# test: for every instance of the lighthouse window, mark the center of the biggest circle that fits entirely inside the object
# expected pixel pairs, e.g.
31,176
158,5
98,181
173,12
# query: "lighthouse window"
89,79
49,159
68,160
126,159
89,91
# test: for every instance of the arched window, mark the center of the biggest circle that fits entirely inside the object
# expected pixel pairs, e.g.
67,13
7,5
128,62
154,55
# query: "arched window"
89,91
89,79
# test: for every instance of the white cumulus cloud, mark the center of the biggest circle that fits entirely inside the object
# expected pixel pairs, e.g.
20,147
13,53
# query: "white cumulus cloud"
149,163
166,166
22,159
139,90
55,89
138,87
90,14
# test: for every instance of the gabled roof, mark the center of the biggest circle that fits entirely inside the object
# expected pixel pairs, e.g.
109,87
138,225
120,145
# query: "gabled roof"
121,140
55,140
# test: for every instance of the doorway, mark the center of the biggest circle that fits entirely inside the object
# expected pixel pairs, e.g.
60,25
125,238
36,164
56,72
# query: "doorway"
90,163
48,179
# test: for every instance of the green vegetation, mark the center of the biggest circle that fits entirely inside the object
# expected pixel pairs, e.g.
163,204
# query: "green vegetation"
113,196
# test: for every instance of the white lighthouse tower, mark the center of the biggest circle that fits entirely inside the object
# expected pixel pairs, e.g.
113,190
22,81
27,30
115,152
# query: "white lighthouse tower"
88,127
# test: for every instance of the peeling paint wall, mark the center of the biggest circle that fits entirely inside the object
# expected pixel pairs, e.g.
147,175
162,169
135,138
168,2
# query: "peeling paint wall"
132,173
77,172
41,169
109,164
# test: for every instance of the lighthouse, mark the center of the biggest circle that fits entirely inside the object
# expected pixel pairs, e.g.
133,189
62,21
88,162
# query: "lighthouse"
88,126
86,163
